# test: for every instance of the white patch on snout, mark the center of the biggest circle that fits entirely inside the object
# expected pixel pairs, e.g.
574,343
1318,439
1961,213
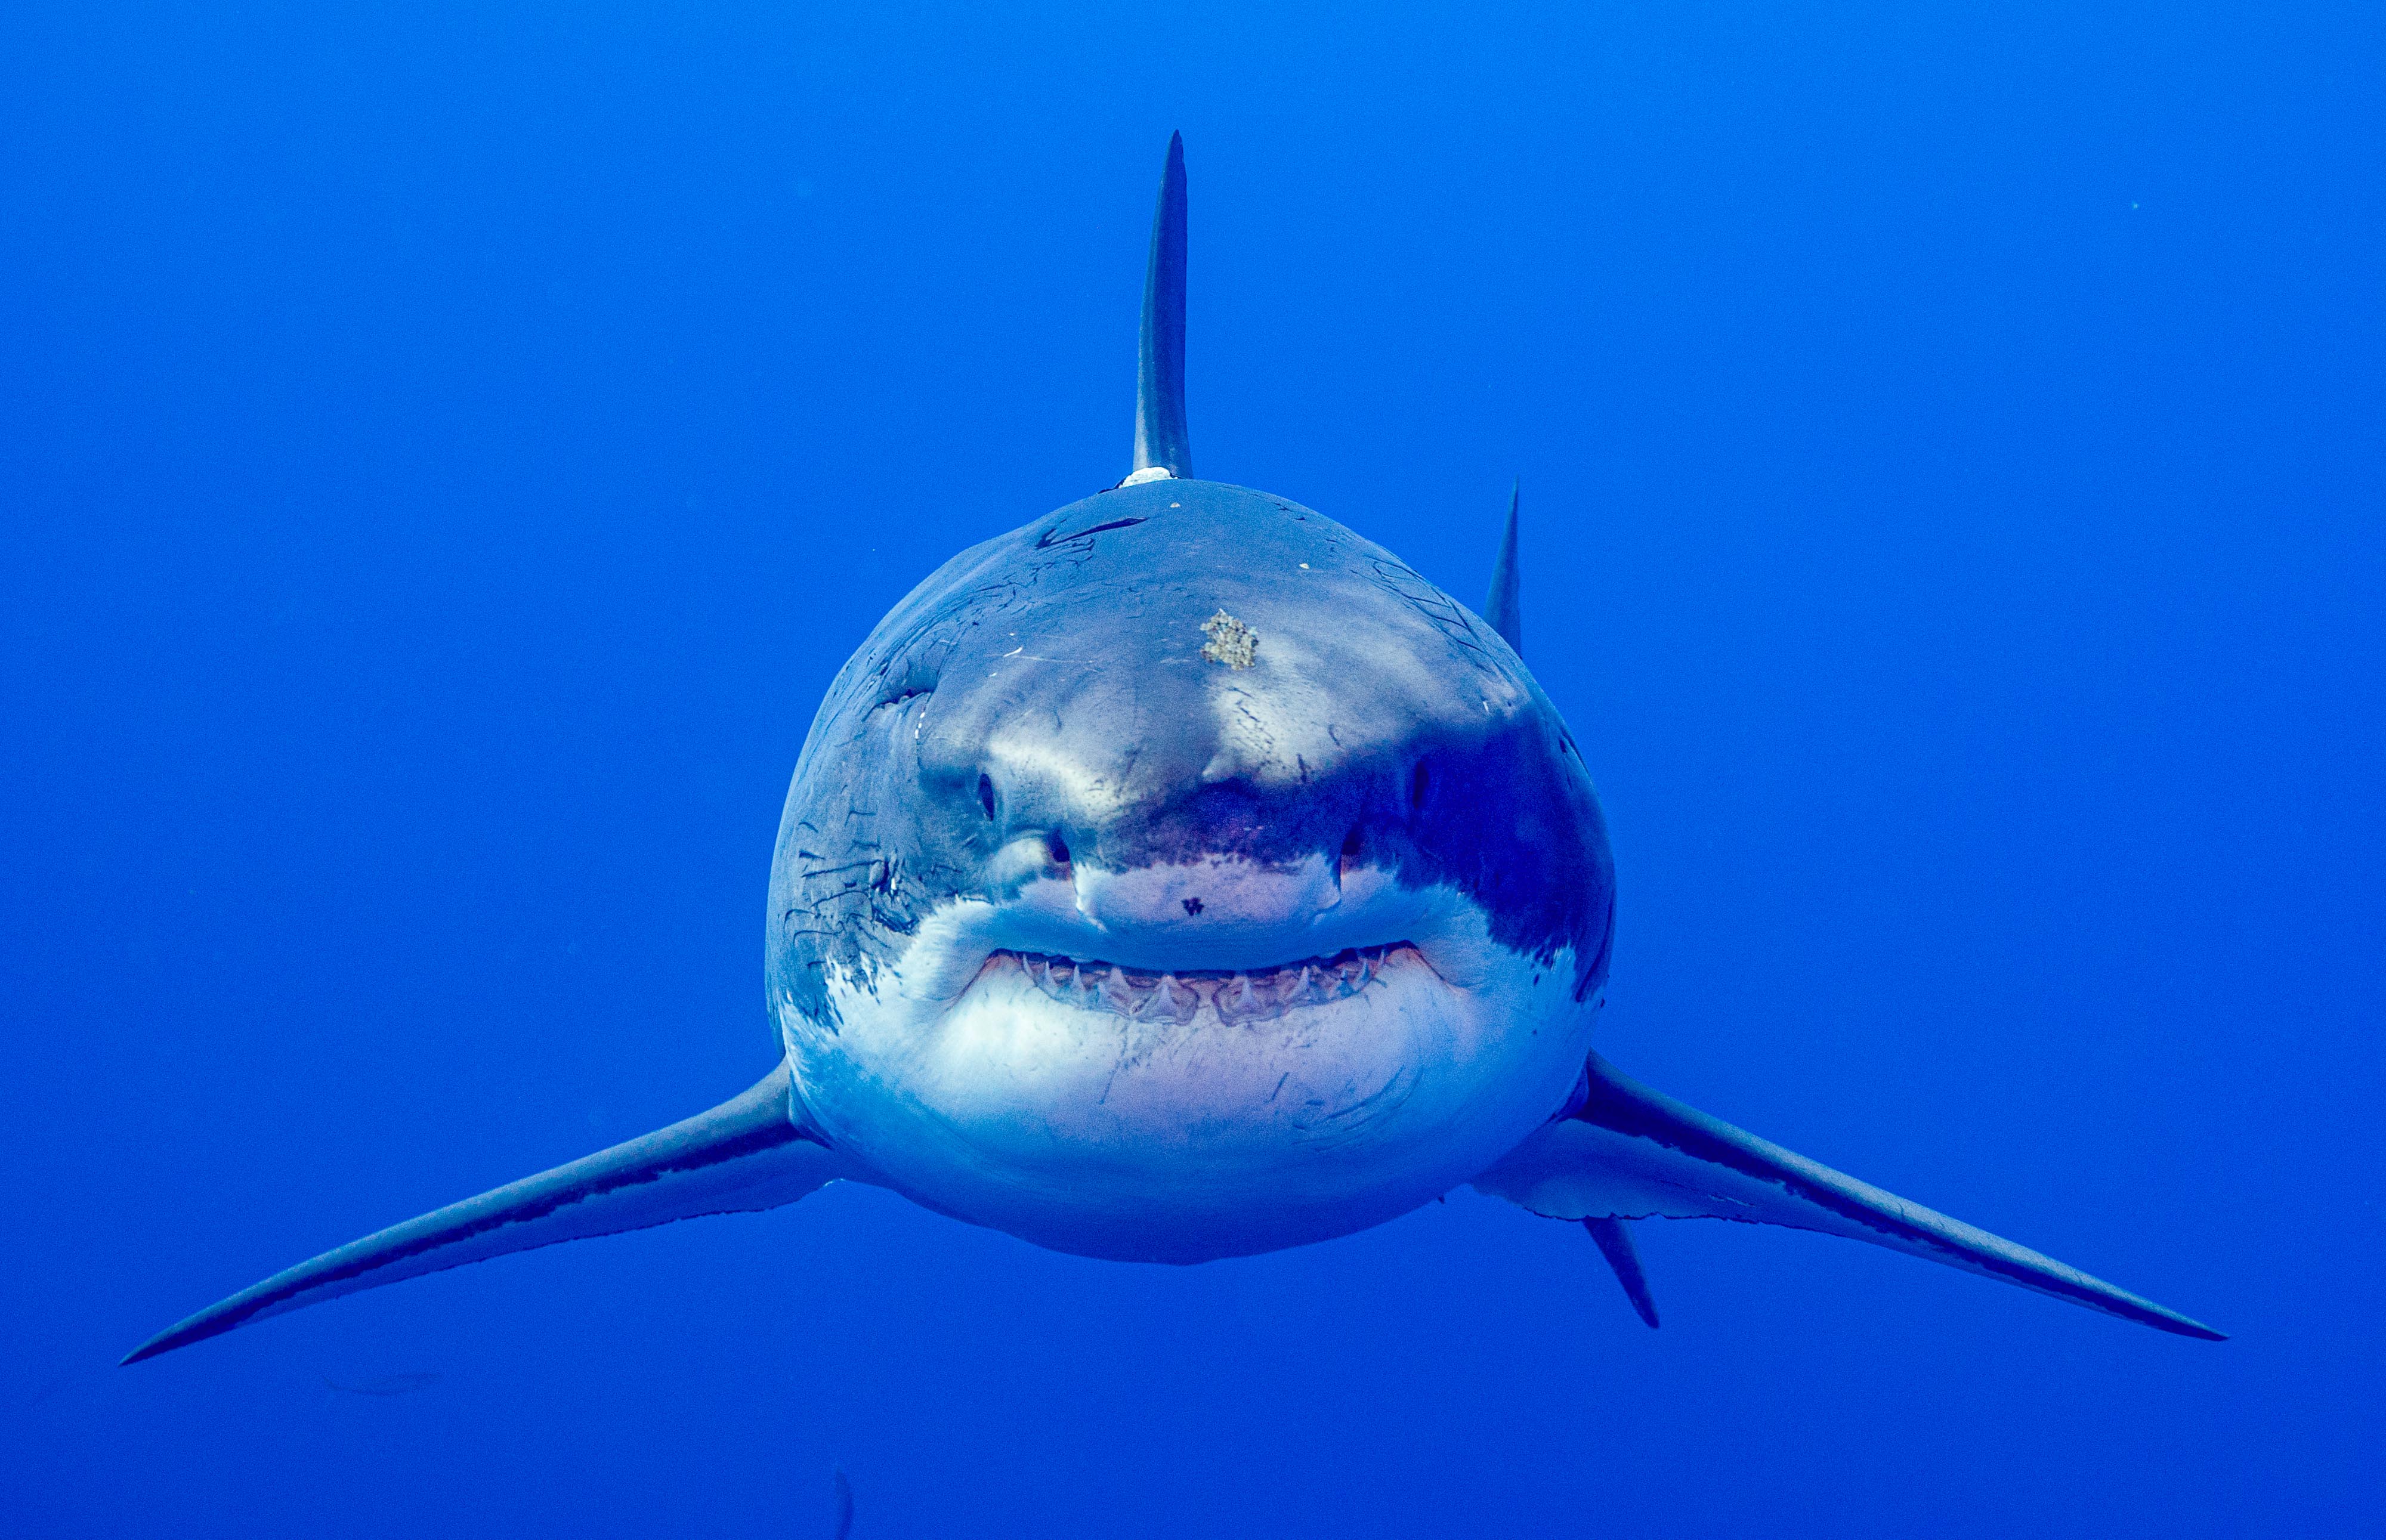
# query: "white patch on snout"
1273,723
1295,716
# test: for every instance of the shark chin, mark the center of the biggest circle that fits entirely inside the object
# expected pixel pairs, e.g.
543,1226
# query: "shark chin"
1152,1110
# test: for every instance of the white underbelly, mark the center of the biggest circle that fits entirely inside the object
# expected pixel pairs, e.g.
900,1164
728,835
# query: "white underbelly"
1186,1125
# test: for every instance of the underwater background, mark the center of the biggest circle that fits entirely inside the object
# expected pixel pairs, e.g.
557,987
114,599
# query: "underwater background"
445,451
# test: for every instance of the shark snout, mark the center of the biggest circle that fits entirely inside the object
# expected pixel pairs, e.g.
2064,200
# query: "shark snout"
1215,905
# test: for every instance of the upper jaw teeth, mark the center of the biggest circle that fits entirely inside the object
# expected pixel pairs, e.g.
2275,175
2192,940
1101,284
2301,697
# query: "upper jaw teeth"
1144,996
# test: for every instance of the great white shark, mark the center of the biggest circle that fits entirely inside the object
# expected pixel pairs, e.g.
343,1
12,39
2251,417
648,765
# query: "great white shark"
1182,876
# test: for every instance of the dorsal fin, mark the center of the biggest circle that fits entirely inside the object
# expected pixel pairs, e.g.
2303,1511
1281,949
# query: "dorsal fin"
1160,440
1501,608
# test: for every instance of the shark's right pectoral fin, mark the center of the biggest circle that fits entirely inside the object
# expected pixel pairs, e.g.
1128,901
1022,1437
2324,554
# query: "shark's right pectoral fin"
1629,1152
749,1153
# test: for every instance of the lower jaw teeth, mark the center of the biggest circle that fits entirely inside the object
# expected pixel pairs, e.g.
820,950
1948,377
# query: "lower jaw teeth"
1177,998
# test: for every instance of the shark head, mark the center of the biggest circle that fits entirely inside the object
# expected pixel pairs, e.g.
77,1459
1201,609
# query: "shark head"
1182,875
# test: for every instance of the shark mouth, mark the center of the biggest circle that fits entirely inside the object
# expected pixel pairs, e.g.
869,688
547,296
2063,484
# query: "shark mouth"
1235,997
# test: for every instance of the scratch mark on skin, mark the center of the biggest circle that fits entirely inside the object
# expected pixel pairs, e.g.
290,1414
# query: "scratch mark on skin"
1056,537
1445,615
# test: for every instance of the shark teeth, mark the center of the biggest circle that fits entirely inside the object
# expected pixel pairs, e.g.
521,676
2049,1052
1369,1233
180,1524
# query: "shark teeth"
1179,996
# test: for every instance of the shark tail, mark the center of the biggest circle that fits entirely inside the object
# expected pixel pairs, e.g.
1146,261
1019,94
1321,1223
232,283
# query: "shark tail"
1629,1152
752,1152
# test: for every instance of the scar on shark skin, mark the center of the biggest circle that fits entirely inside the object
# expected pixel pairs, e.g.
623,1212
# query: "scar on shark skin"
1231,641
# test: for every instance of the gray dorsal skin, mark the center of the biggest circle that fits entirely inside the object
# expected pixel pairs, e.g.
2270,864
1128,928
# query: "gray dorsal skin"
1181,875
1502,607
1160,443
1614,1238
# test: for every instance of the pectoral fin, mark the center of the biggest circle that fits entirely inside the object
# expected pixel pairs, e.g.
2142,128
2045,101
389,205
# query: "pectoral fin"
749,1153
1631,1153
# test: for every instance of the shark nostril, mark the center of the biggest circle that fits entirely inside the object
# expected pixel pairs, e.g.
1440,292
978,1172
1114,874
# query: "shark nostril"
986,794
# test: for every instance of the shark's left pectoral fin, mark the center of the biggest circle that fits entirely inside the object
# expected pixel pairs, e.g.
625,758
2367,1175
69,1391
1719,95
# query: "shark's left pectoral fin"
749,1153
1629,1152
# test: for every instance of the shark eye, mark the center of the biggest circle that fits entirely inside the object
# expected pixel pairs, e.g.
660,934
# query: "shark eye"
1059,850
1351,844
986,794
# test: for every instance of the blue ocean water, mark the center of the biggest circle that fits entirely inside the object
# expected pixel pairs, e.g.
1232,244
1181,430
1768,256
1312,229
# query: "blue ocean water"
447,451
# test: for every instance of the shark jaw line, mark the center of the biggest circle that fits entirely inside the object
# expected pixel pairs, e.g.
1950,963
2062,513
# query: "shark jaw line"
1130,1127
1313,915
1153,1126
1226,996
